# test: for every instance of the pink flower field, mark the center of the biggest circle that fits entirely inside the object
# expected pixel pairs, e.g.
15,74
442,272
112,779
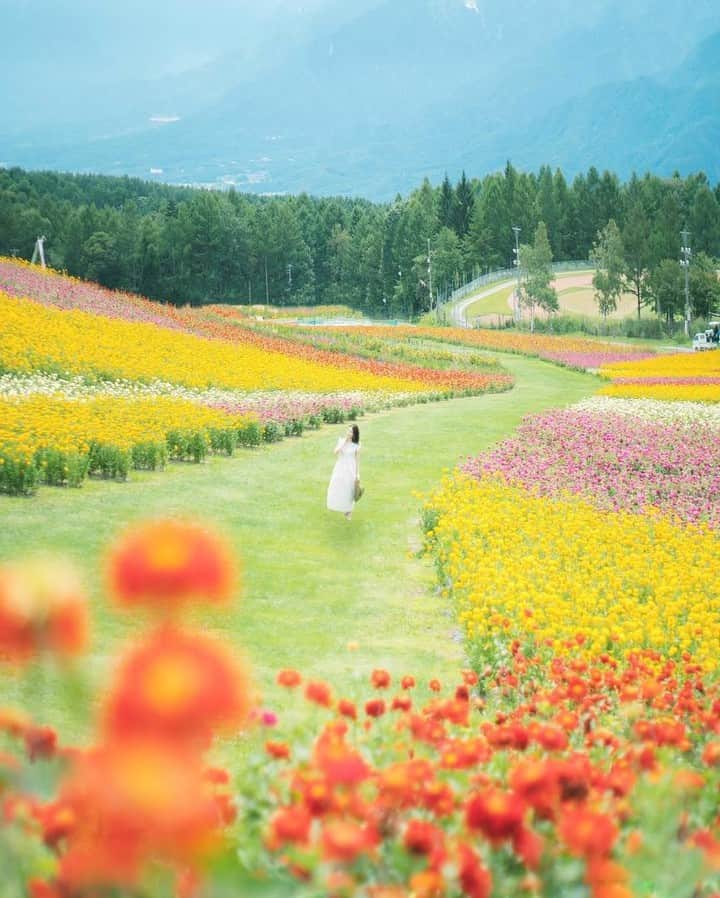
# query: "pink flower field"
615,461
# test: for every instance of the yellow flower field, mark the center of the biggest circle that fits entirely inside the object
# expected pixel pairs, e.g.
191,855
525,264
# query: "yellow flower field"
667,392
567,574
37,338
676,364
55,440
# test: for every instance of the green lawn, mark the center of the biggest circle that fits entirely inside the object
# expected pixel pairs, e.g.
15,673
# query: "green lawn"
495,304
312,582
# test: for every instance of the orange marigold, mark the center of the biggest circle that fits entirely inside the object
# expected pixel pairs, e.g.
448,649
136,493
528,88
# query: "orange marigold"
178,686
167,563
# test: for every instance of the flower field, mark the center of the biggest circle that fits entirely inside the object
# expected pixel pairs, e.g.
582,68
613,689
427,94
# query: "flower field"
552,774
75,346
687,377
618,457
572,352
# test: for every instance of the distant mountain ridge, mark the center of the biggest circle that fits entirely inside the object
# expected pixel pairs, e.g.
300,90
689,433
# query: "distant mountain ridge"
374,97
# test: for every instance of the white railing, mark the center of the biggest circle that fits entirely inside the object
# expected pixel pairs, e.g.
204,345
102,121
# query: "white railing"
502,273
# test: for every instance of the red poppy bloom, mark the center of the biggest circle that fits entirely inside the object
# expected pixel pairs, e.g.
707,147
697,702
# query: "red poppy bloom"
407,682
380,679
289,825
278,750
164,564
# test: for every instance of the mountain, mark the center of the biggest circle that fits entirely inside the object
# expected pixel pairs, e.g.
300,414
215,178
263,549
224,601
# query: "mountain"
370,97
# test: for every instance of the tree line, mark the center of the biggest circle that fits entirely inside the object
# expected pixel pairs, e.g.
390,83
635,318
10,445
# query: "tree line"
182,244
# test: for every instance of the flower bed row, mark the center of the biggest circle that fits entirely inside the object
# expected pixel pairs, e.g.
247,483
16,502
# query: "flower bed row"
572,352
686,377
571,577
60,442
550,775
615,459
36,338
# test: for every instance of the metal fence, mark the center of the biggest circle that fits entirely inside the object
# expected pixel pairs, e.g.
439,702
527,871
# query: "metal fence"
503,273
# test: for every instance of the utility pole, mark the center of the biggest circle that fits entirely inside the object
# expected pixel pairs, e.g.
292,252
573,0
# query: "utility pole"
685,262
267,288
289,274
516,251
429,264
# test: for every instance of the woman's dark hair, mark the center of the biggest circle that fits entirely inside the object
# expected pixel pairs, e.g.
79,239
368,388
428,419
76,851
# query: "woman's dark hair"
356,433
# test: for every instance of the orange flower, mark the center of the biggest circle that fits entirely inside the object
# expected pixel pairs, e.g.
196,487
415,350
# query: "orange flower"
435,685
347,708
407,682
343,840
278,750
289,678
167,563
586,833
318,692
499,815
380,679
340,764
42,608
177,686
711,754
290,825
427,884
133,803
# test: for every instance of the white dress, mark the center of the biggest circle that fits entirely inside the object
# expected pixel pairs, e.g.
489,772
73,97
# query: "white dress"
341,491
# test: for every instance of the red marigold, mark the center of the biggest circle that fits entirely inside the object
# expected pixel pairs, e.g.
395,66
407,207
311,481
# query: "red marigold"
340,763
711,754
401,703
435,685
347,708
42,608
407,682
587,833
177,686
380,678
375,707
497,814
470,678
318,692
167,563
278,750
289,678
475,878
422,837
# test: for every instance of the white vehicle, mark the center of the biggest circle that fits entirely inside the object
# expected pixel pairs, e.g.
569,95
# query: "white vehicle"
702,341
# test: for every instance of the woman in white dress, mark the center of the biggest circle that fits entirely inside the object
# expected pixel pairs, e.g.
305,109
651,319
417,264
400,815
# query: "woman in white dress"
341,491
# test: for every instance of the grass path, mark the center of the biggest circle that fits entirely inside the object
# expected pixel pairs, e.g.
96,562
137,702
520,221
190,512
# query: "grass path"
312,582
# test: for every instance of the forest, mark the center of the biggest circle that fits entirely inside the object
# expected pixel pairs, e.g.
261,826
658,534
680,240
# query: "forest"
191,245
